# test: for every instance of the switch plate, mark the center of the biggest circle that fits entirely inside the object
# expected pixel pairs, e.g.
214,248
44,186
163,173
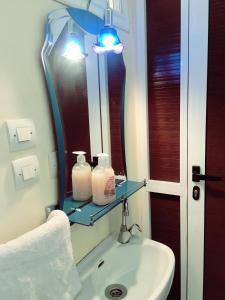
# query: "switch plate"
22,134
26,171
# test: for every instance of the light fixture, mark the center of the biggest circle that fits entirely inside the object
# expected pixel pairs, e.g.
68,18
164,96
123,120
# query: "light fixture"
72,49
107,39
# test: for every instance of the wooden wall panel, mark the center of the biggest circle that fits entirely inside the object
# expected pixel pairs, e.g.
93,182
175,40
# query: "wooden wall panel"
214,275
163,50
165,219
163,33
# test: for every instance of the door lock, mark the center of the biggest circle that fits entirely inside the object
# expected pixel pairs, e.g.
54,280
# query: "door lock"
196,192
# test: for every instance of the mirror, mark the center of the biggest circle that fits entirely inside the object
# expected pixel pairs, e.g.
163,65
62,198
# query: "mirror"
86,93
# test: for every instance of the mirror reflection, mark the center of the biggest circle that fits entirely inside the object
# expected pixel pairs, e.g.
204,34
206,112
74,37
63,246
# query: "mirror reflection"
88,90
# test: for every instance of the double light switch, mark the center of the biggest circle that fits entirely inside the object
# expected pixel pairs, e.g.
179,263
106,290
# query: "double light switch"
22,136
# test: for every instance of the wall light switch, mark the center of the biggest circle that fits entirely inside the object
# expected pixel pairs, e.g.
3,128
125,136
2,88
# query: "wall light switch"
26,171
22,134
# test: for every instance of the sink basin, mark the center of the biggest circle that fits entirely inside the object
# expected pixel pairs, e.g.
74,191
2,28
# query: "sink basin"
140,270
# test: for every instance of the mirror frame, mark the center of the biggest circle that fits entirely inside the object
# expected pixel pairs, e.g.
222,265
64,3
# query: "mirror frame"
97,7
64,15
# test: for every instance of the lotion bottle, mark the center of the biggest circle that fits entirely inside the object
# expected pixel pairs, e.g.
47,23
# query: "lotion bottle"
81,178
103,181
110,189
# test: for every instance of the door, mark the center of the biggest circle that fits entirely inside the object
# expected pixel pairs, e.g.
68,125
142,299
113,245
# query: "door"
186,110
206,149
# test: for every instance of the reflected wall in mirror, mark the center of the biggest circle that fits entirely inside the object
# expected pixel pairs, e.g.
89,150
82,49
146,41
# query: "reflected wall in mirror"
86,92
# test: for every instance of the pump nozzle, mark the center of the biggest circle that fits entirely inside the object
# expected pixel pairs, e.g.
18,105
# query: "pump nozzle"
103,155
80,156
103,159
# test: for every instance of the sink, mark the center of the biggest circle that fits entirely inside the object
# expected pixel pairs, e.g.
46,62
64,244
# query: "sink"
143,269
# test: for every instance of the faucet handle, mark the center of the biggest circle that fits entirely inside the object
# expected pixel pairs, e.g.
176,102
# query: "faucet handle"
134,226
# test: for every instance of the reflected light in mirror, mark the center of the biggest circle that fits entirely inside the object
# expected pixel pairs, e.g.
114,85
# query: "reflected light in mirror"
72,51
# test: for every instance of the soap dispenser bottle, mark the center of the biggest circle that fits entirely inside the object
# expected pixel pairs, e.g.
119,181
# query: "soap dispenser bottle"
110,189
103,181
81,178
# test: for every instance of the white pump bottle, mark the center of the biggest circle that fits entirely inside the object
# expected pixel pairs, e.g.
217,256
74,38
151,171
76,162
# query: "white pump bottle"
103,181
81,178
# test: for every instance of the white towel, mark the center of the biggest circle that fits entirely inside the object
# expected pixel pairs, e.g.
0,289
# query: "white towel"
39,265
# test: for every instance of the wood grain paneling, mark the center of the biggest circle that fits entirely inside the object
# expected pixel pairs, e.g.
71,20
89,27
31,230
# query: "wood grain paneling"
165,220
214,268
116,77
163,50
163,33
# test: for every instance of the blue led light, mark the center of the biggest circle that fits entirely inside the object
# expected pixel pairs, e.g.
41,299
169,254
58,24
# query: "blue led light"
108,41
108,37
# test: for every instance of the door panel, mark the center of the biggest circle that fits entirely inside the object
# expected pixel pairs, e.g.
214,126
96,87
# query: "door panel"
163,33
214,259
163,52
165,217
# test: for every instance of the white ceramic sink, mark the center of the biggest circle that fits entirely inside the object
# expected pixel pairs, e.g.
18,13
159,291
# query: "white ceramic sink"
143,266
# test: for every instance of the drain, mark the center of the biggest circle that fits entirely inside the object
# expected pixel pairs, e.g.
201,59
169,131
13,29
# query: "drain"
116,291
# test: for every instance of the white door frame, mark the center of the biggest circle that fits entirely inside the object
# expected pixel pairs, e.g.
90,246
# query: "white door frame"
171,188
197,104
93,72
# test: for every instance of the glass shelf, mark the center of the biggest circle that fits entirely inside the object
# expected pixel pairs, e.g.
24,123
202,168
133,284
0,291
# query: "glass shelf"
87,213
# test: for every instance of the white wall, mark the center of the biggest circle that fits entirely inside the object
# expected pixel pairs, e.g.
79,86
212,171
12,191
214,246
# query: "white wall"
23,95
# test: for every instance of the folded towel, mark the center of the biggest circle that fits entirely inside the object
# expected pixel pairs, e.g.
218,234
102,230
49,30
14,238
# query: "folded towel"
39,265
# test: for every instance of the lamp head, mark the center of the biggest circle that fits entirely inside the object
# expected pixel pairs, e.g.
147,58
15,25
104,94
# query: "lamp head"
72,50
108,41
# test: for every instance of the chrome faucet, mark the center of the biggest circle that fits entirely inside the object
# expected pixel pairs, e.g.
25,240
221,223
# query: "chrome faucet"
125,233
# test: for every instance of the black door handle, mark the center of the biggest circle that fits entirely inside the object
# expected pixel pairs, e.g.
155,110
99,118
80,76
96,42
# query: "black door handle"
196,176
